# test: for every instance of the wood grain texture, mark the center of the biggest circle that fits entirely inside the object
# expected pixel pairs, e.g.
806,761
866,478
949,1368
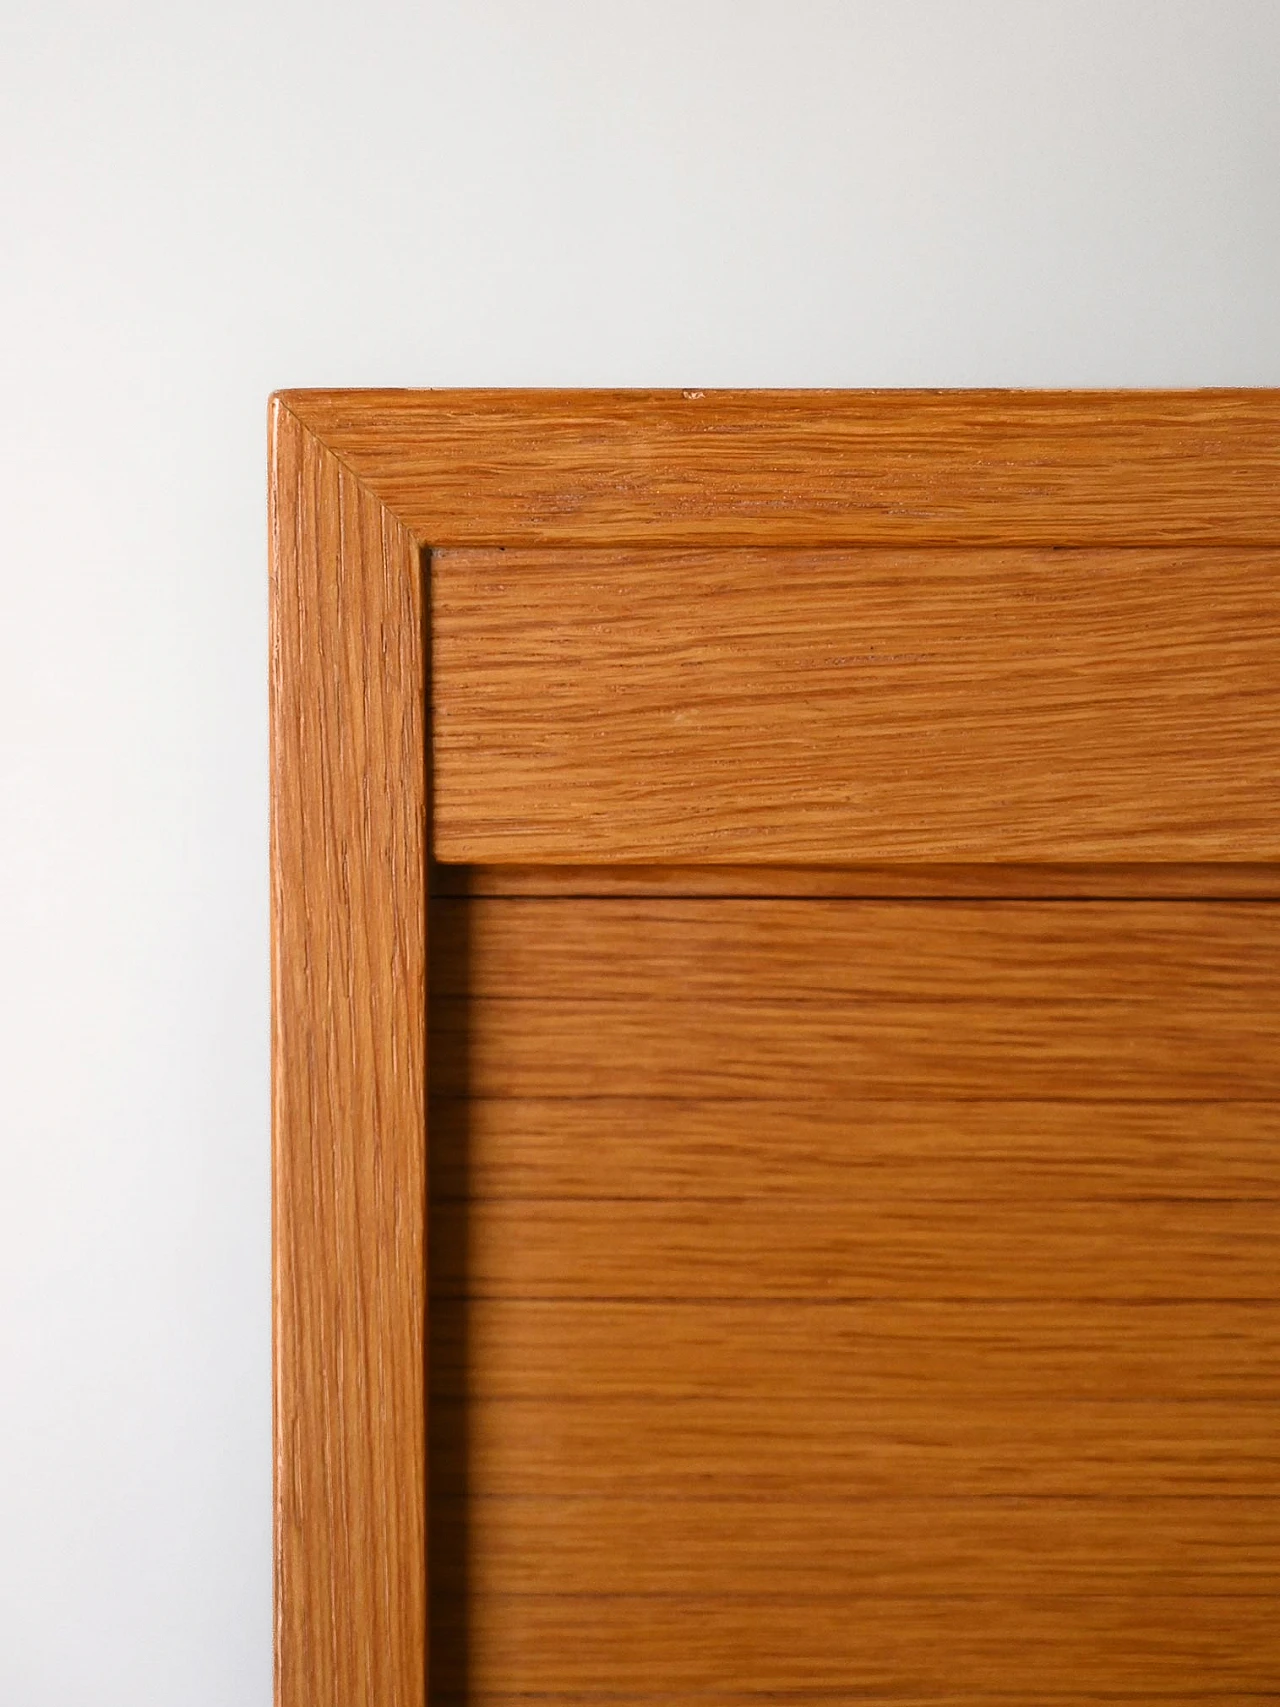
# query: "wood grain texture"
1215,1047
938,1645
850,1151
930,1354
877,705
913,1248
859,952
802,1445
939,882
1044,1697
813,468
949,1370
845,1549
348,935
782,1495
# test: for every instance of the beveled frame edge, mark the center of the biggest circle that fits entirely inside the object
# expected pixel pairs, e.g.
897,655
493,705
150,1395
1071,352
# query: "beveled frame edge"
348,879
362,484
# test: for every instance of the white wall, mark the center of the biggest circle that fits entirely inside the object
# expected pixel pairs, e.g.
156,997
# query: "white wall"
202,201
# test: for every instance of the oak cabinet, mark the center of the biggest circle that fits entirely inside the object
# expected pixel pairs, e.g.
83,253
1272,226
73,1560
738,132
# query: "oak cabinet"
777,1017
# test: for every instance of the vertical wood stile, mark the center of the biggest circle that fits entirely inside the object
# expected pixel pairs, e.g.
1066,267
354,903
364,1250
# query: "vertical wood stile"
349,1158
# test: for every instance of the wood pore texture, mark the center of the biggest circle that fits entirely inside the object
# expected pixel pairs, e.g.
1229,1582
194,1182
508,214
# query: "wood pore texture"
1081,705
855,1298
853,1102
349,977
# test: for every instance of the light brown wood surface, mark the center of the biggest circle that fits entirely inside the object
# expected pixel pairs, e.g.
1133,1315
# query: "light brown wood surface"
812,468
1146,1645
349,963
939,882
933,1352
844,1250
855,1295
830,1299
860,951
1203,1050
738,1698
824,1548
800,1445
702,1149
869,705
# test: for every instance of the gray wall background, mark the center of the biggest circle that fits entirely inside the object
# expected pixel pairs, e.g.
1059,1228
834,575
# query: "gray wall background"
204,201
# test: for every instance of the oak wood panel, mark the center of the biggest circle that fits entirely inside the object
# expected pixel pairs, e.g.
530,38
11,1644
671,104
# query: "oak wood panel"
812,468
859,999
936,881
806,1446
348,955
914,1248
839,1550
833,952
851,1150
1213,1047
794,706
776,1471
1044,1697
933,1354
1165,1644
